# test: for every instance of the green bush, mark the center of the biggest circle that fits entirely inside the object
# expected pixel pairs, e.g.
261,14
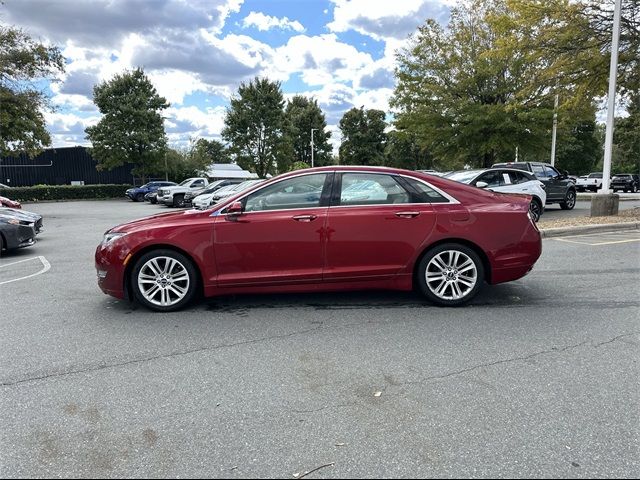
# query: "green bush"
63,192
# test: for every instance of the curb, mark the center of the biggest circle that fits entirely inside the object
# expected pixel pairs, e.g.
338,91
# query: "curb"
585,229
628,197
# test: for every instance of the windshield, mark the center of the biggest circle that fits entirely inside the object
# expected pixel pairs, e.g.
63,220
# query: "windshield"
621,176
595,175
186,182
463,176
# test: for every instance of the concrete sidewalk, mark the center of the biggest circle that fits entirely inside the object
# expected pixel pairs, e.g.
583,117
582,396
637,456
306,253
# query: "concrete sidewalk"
586,229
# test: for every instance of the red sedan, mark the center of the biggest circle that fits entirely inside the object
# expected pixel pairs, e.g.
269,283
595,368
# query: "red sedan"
7,202
326,229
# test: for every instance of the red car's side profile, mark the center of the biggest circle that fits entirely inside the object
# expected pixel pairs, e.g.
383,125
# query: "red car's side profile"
326,229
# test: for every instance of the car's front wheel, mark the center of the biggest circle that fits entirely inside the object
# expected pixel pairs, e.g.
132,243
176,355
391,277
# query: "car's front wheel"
450,274
139,197
569,201
164,280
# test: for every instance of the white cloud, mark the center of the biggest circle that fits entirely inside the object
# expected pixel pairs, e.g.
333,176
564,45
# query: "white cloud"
266,22
382,20
321,59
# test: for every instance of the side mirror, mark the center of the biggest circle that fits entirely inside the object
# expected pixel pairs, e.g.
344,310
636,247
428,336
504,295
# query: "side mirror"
482,184
234,210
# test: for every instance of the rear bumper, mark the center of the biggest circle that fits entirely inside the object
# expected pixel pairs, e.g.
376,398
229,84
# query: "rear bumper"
513,264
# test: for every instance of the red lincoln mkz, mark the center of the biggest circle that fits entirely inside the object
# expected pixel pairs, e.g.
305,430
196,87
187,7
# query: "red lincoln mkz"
326,229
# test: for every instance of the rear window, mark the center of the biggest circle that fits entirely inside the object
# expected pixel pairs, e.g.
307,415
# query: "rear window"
622,177
595,175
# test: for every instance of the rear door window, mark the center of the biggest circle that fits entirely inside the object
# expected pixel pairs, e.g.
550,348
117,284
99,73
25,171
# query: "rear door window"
371,189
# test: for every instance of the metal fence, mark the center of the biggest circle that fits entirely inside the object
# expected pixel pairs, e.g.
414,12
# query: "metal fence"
60,166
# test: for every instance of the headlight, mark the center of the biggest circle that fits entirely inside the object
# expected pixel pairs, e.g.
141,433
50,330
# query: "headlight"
110,237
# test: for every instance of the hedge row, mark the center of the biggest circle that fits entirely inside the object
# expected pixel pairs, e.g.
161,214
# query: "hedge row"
63,192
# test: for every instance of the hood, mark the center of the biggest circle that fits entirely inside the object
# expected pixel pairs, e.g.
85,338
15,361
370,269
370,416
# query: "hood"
19,214
161,219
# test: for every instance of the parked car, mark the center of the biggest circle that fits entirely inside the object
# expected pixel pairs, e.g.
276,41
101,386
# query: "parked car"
18,229
505,180
174,196
206,200
151,197
137,194
558,186
429,232
24,215
212,187
6,202
592,182
627,182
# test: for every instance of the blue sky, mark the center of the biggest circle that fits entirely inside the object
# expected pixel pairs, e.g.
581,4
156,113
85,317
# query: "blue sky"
197,52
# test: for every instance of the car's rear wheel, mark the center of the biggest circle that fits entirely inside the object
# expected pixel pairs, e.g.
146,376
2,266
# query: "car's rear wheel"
569,201
178,201
535,209
164,280
450,274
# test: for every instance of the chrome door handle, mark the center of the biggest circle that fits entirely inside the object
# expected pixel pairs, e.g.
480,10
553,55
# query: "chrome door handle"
305,218
407,214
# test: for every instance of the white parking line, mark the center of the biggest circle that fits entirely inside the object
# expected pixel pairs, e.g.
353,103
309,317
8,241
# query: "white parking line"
45,267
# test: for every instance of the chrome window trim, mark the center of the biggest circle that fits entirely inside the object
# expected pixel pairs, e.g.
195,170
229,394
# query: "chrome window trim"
242,197
451,200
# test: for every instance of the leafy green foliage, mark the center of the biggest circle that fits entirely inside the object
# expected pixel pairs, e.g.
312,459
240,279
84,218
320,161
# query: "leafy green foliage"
210,151
468,93
132,128
64,192
579,150
363,137
403,151
626,137
298,166
23,62
255,126
302,114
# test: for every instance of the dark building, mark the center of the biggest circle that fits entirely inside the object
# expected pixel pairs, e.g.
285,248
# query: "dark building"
59,166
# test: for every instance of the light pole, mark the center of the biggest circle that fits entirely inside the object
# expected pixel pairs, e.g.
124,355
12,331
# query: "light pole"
555,126
605,203
312,130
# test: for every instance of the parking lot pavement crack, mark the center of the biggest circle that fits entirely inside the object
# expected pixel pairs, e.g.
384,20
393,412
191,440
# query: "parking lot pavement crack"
519,359
104,366
326,407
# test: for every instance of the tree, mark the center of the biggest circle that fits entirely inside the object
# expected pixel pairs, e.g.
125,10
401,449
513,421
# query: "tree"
254,126
212,151
132,128
403,151
303,114
571,41
24,62
468,96
579,150
363,137
627,139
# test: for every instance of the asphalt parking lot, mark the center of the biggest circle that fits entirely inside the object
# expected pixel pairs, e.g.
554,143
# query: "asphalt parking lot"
536,378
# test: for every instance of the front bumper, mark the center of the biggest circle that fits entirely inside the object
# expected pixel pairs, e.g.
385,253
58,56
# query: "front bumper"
19,236
110,268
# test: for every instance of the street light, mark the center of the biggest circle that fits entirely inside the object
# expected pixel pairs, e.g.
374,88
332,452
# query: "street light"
312,144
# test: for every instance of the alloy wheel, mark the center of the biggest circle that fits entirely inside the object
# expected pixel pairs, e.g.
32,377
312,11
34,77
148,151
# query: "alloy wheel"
163,281
451,275
536,210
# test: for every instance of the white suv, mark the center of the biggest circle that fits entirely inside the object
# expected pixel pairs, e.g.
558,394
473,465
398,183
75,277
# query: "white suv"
506,180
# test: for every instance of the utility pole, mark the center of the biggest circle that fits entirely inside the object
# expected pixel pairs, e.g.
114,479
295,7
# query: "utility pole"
312,130
555,126
606,203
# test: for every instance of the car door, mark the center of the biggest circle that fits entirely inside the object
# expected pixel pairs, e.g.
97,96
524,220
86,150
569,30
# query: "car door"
495,179
279,237
374,227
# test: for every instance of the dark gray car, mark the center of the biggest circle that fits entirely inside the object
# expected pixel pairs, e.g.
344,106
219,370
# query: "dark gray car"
18,229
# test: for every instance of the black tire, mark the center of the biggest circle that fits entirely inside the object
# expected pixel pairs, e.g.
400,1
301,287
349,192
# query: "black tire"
624,190
634,189
139,197
569,200
160,257
178,200
535,209
1,245
440,277
153,200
